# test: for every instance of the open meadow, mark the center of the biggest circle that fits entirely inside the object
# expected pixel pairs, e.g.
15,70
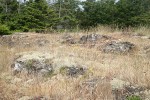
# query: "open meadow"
100,64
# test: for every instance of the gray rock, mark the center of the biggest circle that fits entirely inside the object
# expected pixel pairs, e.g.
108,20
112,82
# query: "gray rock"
44,64
68,39
73,70
122,89
92,38
17,67
33,63
136,90
23,40
118,47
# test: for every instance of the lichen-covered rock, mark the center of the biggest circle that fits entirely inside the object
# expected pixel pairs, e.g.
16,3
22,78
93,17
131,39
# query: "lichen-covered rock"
84,39
39,63
23,40
73,70
68,39
118,47
92,38
33,62
120,89
123,89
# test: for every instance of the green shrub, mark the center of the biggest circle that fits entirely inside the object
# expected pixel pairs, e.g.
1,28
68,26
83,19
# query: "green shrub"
40,30
4,30
133,98
25,29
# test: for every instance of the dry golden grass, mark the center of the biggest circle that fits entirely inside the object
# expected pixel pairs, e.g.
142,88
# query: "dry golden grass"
142,30
134,68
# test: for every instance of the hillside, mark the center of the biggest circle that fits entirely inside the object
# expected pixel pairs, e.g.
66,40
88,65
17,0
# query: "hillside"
75,66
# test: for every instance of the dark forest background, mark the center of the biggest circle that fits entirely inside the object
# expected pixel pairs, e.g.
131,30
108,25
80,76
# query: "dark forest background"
41,15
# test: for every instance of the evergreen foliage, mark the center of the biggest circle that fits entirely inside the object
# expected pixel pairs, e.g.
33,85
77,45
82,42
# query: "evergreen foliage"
41,15
4,30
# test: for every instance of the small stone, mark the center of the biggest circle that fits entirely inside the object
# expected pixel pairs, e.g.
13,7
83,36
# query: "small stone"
92,38
68,39
72,71
118,47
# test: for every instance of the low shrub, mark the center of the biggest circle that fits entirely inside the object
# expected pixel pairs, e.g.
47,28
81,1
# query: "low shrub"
133,98
4,30
40,30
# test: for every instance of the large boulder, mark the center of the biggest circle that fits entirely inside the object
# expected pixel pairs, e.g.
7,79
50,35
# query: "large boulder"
39,63
123,90
33,62
84,39
118,47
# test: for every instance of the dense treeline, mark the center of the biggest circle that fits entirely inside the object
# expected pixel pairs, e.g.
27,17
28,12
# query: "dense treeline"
44,15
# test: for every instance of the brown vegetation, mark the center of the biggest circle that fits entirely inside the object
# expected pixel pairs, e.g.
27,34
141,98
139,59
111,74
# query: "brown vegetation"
133,67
